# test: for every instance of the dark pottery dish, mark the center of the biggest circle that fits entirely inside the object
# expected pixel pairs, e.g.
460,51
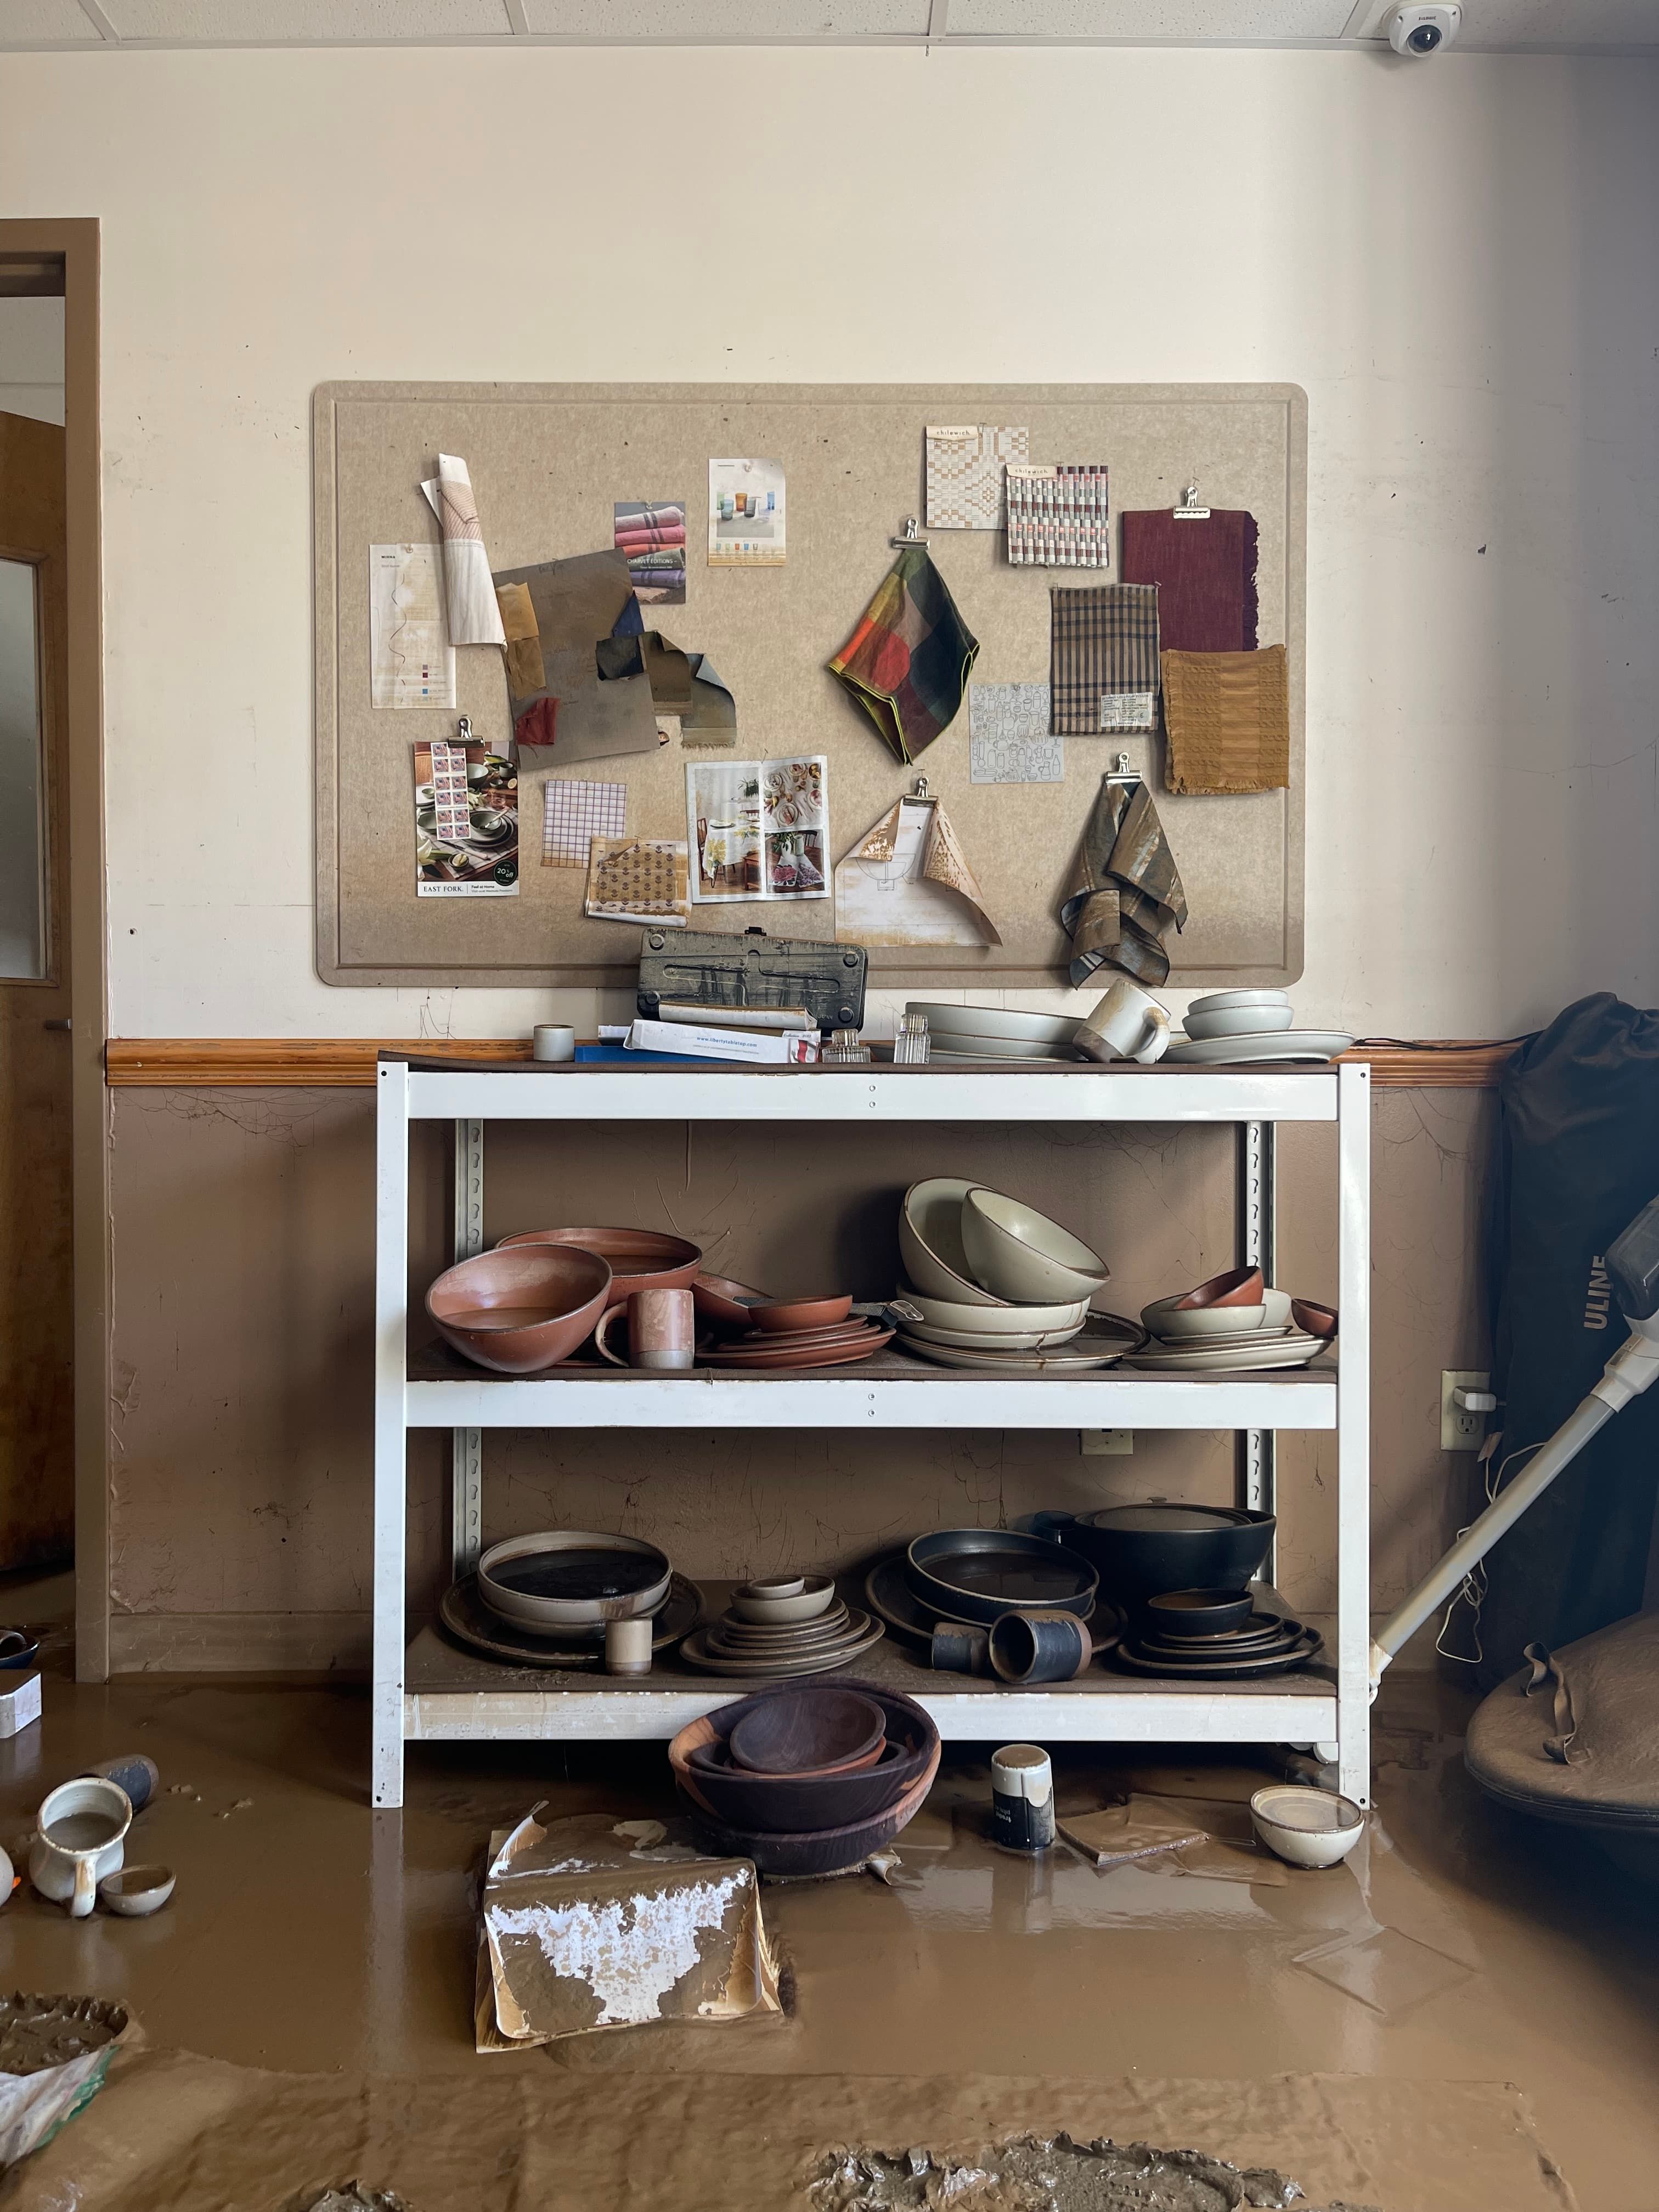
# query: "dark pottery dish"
1205,1668
1196,1613
463,1615
974,1574
19,1647
1141,1550
1039,1647
564,1578
799,1853
800,1804
888,1594
801,1731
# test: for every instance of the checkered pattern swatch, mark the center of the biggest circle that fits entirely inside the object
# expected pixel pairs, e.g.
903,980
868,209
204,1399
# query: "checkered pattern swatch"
1103,670
965,464
573,813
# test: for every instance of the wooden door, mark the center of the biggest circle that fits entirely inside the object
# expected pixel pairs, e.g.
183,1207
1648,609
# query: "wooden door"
37,1421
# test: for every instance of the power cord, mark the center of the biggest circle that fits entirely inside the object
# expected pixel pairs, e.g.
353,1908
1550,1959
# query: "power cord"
1472,1591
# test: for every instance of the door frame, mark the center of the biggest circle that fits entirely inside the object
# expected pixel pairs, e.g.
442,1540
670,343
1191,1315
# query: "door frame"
74,242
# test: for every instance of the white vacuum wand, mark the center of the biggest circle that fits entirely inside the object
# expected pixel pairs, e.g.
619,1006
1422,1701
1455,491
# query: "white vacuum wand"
1633,1265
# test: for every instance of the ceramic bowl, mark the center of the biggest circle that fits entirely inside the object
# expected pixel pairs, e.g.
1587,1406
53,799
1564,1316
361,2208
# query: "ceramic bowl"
520,1310
773,1605
719,1299
641,1580
975,1574
804,1731
1020,1254
1139,1551
1029,1033
1238,1021
1237,1287
1190,1616
930,1242
980,1340
994,1321
1318,1321
1227,1002
1176,1324
788,1317
640,1259
137,1892
1310,1827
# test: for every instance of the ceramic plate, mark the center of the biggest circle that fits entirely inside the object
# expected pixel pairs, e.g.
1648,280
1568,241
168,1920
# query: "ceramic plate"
1092,1347
968,1339
465,1616
1297,1351
1006,1024
829,1355
844,1332
888,1594
1266,1046
695,1653
1307,1645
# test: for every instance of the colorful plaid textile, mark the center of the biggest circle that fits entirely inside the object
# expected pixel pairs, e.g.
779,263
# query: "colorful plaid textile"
1125,889
1102,660
908,661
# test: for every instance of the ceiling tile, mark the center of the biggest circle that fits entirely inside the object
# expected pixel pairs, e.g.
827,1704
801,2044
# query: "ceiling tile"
754,20
1239,23
269,23
43,22
1576,26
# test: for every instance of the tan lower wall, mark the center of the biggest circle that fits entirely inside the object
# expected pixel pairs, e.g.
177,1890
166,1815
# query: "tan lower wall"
242,1314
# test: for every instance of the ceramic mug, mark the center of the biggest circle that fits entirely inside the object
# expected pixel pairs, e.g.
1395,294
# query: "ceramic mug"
957,1649
552,1040
80,1838
662,1329
1128,1024
1038,1645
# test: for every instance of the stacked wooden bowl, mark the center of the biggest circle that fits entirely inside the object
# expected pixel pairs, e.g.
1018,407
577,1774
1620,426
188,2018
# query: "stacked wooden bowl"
806,1779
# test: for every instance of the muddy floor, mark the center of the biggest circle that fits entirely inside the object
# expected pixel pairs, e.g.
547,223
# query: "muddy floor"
310,1933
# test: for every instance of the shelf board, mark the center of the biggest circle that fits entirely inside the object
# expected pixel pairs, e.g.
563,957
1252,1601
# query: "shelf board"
453,1696
890,1390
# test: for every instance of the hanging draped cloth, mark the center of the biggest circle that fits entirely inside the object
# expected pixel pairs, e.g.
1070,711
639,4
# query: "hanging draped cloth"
1125,889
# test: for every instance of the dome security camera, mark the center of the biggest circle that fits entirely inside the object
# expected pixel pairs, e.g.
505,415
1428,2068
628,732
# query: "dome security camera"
1427,29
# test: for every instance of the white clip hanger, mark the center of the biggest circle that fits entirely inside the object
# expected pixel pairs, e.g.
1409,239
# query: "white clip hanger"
1121,772
912,535
1189,510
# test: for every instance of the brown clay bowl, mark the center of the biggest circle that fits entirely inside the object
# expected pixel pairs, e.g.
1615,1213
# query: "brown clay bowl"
1318,1321
803,1731
521,1310
800,1806
640,1259
812,1851
1239,1286
788,1316
724,1302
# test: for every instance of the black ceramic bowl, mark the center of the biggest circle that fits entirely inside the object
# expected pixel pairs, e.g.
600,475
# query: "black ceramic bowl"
1191,1615
800,1804
1141,1550
979,1574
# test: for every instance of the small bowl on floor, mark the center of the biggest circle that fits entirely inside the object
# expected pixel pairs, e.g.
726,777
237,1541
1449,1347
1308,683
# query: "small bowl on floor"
135,1893
1306,1826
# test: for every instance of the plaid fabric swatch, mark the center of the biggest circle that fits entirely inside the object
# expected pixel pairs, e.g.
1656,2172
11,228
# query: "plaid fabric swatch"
1228,719
1125,889
1102,660
908,661
573,813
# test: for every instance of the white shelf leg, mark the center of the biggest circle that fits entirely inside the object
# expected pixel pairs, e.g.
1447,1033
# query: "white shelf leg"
390,1436
1353,1431
466,1456
1256,1226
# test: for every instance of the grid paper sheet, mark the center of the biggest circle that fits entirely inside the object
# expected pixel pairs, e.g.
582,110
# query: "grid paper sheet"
573,813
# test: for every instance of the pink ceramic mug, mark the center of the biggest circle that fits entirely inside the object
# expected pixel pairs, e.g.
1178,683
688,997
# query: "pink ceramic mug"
662,1330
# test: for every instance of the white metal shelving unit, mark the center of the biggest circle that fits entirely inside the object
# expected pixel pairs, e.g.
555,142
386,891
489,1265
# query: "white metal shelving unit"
428,1691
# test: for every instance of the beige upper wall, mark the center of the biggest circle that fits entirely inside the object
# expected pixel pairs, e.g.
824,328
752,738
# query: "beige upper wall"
1455,260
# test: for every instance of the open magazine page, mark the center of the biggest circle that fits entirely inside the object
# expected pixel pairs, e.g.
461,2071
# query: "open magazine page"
758,829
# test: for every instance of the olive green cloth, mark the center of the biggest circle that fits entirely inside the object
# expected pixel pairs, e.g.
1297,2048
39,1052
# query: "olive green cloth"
1125,889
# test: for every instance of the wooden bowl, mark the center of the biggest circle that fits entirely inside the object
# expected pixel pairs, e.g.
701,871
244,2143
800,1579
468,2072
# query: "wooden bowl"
797,1805
521,1310
814,1851
640,1259
788,1317
806,1731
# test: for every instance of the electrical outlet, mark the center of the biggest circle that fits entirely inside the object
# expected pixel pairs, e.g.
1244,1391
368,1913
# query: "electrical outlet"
1109,1443
1461,1431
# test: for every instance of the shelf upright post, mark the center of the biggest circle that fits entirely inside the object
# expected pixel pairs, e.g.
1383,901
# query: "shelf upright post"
390,1431
1256,1222
466,1447
1353,1431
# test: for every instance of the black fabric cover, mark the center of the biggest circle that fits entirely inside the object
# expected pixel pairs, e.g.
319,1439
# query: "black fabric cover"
1578,1158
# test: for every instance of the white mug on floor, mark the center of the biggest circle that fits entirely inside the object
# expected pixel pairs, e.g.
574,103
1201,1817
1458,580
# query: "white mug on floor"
1128,1024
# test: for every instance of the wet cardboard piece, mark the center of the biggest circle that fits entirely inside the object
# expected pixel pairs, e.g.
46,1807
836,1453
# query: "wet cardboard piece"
175,2133
1209,1836
587,1924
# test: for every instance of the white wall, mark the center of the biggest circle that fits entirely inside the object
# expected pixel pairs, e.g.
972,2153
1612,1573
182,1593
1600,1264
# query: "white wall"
1456,259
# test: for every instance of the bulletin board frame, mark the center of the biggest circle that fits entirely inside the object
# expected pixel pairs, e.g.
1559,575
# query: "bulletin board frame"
547,461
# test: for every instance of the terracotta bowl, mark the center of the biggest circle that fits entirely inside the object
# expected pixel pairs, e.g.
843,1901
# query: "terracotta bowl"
517,1311
788,1317
640,1259
1318,1321
719,1299
1239,1286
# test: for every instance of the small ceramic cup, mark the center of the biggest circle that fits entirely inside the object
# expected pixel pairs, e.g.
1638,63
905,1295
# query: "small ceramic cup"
957,1648
1040,1646
628,1646
552,1040
81,1837
1127,1024
662,1330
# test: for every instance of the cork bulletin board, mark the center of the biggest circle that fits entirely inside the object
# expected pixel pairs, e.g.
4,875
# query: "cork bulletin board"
547,462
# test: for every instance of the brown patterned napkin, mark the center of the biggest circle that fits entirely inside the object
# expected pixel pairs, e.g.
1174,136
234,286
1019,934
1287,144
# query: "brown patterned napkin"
1227,716
1125,889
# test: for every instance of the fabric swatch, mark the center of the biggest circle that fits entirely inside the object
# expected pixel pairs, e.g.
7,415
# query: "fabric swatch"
526,670
908,661
1205,570
1125,889
573,814
1103,664
1009,739
639,879
1059,516
1227,716
965,466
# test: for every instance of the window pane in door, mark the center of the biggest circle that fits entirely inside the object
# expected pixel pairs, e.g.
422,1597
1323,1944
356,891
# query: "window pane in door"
22,874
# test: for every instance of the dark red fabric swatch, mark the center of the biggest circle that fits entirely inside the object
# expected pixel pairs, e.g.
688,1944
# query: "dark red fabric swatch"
1205,572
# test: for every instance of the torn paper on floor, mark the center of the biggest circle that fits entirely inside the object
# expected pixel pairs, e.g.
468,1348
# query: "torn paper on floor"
469,593
908,882
589,1924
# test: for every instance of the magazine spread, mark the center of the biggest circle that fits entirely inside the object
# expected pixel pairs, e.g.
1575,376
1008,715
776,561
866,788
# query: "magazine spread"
758,829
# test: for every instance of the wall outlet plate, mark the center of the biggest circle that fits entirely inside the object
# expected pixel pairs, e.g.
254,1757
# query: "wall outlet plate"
1461,1431
1108,1443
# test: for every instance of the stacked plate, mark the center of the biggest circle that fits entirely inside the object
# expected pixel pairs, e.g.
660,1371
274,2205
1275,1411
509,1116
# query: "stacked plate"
971,1577
543,1600
789,1333
1243,1028
1231,1325
993,1033
1266,1642
783,1627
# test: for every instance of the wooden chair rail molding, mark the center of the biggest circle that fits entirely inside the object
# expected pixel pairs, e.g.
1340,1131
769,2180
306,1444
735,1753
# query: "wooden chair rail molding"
348,1063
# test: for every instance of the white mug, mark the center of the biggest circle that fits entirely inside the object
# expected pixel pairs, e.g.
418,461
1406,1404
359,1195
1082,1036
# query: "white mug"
80,1839
1128,1024
552,1040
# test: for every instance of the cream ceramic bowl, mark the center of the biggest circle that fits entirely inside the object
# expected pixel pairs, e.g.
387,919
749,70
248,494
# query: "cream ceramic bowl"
930,1242
1020,1254
1030,1339
1225,1002
760,1602
1238,1021
995,1321
1167,1319
1027,1034
1310,1827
